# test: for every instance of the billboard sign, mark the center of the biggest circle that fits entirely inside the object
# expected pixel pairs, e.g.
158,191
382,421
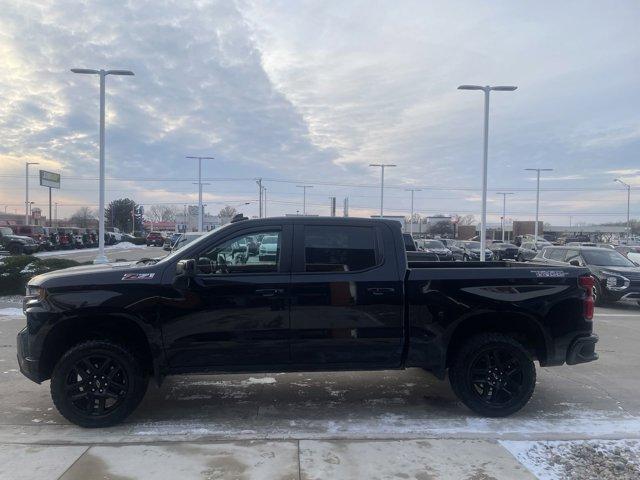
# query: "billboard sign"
49,179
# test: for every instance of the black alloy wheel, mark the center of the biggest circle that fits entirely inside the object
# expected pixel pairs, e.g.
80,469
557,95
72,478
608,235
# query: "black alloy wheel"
493,375
97,384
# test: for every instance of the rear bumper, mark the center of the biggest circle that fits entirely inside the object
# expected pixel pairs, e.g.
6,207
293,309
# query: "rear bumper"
582,350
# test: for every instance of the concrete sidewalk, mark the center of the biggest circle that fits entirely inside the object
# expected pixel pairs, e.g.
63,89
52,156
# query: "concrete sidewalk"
305,459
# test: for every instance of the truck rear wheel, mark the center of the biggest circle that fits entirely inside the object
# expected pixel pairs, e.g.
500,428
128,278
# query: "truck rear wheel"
493,375
97,384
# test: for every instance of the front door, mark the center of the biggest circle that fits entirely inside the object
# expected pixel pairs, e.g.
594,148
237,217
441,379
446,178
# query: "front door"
346,297
236,310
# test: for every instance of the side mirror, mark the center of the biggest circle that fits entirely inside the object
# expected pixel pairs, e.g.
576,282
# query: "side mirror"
575,263
186,268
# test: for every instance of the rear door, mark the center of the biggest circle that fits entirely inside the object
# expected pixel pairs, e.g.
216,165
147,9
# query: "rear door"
347,296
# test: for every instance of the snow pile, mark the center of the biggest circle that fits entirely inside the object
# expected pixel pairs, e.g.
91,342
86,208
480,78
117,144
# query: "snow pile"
29,268
581,459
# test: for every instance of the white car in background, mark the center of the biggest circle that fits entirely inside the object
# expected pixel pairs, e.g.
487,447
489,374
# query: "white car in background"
268,250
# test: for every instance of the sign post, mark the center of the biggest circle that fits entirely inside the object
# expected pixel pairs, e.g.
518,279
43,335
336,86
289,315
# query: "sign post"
49,180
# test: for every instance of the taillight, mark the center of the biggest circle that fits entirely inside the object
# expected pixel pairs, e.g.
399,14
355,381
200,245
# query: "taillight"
588,282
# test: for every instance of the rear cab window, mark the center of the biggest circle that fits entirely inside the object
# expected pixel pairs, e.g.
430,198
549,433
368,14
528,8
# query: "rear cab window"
334,248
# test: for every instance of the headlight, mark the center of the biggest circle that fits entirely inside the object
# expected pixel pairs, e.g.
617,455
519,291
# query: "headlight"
36,293
615,282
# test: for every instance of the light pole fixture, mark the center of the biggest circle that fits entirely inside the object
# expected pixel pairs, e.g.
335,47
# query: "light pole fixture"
26,198
412,190
101,258
538,170
628,187
504,209
382,167
200,220
487,90
304,197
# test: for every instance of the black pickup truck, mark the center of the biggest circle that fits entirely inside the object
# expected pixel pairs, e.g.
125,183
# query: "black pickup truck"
338,294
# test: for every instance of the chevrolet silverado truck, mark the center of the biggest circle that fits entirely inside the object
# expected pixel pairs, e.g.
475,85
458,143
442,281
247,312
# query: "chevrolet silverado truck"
337,294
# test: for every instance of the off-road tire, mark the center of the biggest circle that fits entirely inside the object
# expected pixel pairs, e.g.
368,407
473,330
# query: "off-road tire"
132,371
466,389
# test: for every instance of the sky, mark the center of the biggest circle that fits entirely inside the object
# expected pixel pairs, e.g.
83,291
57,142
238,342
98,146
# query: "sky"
312,92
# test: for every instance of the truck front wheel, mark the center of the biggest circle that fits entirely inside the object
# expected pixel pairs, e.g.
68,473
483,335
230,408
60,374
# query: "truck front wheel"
97,384
493,375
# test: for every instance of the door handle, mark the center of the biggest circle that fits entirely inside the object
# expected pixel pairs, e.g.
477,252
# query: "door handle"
269,292
380,290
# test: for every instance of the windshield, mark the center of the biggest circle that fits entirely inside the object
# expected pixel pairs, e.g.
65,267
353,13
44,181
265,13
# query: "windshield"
178,252
606,258
433,244
472,245
6,231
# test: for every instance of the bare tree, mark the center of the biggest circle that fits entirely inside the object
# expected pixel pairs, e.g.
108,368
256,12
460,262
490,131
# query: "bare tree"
161,213
83,217
227,213
467,220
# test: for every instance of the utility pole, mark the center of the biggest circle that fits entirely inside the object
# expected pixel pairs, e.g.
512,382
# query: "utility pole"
200,209
304,197
382,167
264,190
538,170
26,199
412,190
259,182
628,187
345,207
504,209
332,206
56,213
487,90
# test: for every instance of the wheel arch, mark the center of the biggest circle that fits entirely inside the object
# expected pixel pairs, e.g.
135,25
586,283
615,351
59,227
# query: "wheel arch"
119,328
524,328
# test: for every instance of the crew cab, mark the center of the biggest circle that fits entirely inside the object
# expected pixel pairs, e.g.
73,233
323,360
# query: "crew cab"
335,294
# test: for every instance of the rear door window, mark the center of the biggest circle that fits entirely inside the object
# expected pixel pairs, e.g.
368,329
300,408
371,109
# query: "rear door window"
339,249
555,254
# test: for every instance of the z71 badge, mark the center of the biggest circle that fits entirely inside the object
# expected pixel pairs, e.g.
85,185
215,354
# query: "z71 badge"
549,273
138,276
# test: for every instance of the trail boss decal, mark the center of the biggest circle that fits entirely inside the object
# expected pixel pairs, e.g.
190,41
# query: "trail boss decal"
549,273
138,276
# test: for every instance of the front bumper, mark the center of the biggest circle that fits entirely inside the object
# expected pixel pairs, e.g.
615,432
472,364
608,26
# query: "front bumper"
582,350
28,366
30,248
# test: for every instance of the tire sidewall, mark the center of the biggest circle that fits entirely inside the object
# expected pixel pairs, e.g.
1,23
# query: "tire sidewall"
137,383
463,388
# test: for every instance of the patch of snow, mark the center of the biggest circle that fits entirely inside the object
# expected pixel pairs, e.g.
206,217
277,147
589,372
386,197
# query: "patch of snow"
229,383
560,460
11,312
29,268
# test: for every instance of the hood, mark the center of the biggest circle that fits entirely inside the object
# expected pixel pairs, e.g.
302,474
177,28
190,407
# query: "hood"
19,237
441,251
85,275
626,271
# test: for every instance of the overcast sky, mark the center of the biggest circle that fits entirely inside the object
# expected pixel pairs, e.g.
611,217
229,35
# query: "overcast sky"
312,92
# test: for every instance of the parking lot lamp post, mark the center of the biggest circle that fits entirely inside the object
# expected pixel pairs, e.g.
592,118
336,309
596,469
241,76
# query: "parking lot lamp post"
538,170
412,190
504,209
264,193
200,220
382,167
101,258
628,187
486,89
304,197
26,200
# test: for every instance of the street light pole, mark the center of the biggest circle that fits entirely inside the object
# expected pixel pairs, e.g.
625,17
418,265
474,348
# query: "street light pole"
538,170
628,187
304,197
264,192
260,192
382,167
101,258
504,209
200,214
486,89
26,200
412,190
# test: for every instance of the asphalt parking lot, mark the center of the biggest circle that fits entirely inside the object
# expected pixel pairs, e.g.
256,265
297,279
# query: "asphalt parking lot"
390,424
